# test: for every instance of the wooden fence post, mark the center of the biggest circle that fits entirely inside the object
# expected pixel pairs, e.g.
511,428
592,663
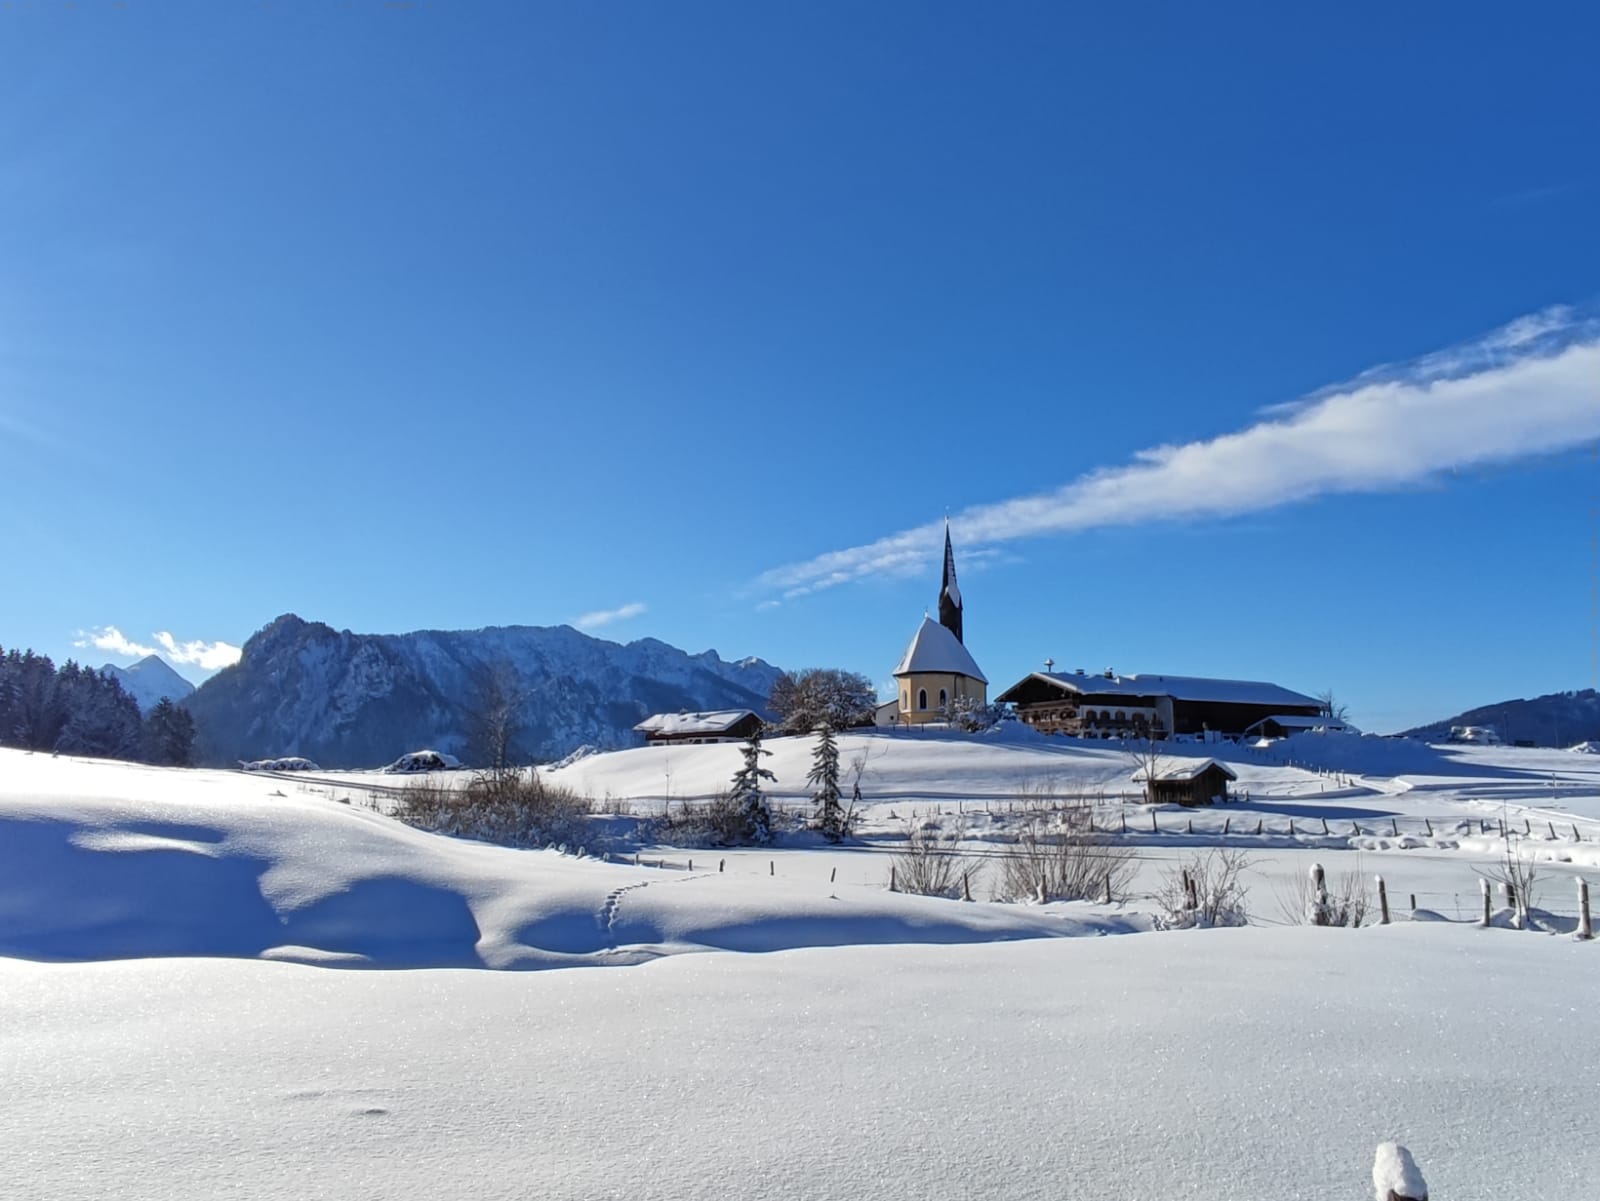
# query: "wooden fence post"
966,885
1258,825
1324,825
1383,903
1153,829
721,863
1552,826
1584,929
772,867
1124,821
1413,902
892,888
1394,826
1429,824
1226,822
691,865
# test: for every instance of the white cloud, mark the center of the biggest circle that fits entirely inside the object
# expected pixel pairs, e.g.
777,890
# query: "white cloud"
208,656
605,617
1530,388
112,640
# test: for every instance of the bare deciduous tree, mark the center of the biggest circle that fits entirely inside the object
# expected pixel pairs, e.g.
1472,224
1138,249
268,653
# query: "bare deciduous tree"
494,717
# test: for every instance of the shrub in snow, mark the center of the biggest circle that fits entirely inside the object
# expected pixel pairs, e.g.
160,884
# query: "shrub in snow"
1395,1175
511,810
1060,859
931,864
719,822
1313,901
970,714
1205,891
1518,881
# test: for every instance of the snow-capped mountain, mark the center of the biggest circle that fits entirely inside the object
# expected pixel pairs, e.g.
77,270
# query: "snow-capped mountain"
148,681
358,700
1559,719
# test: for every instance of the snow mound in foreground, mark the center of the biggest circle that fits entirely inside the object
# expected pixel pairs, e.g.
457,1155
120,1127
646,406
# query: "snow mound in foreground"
115,861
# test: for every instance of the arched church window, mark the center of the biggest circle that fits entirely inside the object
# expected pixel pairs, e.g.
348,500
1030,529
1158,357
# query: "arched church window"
944,700
922,698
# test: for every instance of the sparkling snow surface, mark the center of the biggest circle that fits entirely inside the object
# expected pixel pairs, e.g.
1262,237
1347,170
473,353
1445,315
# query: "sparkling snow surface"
956,1051
1186,1066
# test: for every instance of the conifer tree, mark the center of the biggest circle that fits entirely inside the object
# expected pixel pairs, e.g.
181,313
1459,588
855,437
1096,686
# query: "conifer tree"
748,802
824,781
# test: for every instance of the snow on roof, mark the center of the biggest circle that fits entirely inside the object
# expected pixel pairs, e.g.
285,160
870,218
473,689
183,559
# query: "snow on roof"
1301,721
1189,769
934,648
1183,688
715,722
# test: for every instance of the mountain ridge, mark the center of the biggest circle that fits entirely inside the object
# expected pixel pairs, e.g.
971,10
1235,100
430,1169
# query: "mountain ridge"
357,700
1558,719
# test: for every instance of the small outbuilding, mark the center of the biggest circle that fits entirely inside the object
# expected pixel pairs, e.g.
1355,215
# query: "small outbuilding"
1192,782
720,725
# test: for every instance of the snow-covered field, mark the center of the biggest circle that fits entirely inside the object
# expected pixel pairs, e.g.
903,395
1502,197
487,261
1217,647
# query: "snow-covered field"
154,1043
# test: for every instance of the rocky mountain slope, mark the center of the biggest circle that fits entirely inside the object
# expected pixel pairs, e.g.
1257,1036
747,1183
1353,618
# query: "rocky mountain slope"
359,700
149,680
1559,719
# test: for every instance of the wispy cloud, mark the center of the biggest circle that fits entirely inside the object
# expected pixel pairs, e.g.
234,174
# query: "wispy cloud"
605,617
1530,388
208,656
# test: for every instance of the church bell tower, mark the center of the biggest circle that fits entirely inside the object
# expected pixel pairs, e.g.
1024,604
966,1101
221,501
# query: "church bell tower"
949,593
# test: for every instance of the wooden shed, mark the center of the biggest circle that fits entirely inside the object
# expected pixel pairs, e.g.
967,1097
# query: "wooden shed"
1191,782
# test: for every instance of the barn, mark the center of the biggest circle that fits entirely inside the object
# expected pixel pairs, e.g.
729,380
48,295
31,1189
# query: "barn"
721,725
1109,705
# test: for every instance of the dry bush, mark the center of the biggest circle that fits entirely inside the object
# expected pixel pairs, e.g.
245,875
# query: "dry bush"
931,865
723,821
1064,861
511,810
1343,901
1516,872
1205,891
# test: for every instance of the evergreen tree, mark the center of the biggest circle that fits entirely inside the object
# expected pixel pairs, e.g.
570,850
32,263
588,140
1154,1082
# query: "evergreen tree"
748,802
824,781
97,717
169,735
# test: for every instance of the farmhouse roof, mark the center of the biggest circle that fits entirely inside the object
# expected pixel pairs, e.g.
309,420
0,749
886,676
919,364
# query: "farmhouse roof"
935,648
715,722
1182,688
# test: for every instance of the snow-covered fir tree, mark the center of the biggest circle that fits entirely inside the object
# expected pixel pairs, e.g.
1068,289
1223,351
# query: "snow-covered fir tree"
746,794
824,781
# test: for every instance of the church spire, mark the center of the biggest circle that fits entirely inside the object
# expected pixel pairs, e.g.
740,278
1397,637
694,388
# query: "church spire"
949,593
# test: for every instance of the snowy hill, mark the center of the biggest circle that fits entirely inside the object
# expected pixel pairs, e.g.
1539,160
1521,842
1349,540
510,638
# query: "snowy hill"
891,1047
350,700
149,681
1559,719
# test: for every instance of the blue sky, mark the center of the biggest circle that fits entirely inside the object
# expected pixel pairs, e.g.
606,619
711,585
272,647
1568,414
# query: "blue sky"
429,315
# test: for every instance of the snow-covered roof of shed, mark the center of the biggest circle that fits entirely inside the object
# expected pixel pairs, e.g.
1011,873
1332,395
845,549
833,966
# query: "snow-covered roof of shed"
1183,688
714,722
1188,769
934,648
1302,721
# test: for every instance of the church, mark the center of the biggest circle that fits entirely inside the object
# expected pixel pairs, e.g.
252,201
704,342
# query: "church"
937,672
937,669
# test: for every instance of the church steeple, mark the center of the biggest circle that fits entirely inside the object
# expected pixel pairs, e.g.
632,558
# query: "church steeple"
949,593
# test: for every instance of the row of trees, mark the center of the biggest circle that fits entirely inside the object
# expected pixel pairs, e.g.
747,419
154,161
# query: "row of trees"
73,710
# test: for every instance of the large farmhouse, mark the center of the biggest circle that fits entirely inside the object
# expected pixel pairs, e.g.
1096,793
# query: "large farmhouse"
1138,706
